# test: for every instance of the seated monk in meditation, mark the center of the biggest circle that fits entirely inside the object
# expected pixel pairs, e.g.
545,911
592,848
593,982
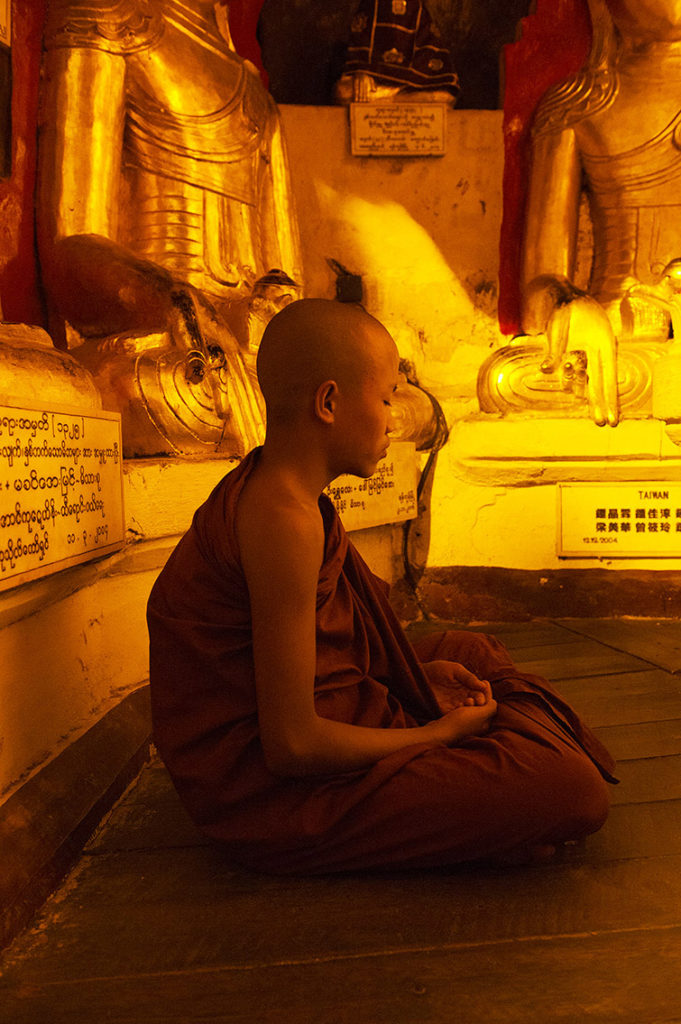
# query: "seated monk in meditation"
302,730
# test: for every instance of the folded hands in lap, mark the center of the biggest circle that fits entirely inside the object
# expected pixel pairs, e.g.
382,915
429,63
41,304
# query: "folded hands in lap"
455,686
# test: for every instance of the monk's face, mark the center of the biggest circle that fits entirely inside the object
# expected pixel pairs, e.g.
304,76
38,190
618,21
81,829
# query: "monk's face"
647,19
364,409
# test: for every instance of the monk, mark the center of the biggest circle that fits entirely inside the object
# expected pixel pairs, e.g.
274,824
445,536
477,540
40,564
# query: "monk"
302,730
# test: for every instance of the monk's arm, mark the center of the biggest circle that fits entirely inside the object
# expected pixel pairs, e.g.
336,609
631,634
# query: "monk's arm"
282,565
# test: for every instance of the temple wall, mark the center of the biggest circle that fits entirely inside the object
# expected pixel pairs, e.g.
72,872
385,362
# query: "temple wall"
422,233
72,647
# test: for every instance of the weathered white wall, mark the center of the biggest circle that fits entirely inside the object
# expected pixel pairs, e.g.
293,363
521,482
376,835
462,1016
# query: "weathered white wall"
423,233
71,647
73,644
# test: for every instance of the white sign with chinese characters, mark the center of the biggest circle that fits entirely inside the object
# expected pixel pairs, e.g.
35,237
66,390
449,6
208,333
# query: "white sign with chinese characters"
398,129
389,496
61,489
628,520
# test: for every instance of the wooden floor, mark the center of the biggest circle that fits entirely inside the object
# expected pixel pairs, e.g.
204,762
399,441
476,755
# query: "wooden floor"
153,926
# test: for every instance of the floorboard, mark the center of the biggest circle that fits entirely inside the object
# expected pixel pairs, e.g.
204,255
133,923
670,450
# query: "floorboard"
624,698
573,660
150,816
633,830
155,926
512,634
654,640
228,918
604,979
648,780
648,739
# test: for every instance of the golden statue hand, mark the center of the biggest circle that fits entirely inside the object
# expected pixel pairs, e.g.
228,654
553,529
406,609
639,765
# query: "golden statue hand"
574,323
208,344
664,295
601,354
103,289
582,326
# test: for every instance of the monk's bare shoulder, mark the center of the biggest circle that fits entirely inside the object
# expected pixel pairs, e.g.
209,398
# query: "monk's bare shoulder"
280,535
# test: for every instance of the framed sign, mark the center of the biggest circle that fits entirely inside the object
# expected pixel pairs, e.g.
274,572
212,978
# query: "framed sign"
398,129
389,496
627,520
61,489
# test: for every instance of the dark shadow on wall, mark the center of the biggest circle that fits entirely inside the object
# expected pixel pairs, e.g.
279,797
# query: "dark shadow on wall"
303,45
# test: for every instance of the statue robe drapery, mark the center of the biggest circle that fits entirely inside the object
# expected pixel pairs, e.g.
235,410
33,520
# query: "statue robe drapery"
535,777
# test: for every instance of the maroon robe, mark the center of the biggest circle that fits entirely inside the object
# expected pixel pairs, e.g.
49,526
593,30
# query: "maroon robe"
396,42
535,777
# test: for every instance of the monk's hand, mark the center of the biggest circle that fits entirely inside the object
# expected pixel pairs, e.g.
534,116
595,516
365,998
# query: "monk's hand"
455,686
470,720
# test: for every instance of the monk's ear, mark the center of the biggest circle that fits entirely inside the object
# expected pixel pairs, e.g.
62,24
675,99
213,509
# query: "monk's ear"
326,400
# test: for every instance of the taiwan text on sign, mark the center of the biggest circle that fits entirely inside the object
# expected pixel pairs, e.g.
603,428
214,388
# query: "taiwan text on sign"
639,520
61,490
398,129
389,496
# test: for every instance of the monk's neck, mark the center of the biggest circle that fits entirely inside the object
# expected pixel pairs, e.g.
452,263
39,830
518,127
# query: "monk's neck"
297,467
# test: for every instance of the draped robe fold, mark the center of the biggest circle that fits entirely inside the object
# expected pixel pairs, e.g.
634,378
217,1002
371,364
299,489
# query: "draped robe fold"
536,777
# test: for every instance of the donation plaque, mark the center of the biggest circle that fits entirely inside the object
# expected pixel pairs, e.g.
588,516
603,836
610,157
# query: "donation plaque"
389,496
61,490
398,129
624,520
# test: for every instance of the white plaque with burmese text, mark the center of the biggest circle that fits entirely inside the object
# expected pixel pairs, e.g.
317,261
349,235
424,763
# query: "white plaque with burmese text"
627,520
398,129
389,496
61,489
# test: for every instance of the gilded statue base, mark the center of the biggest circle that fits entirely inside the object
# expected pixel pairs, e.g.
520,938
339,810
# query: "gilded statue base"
512,379
667,391
178,402
33,370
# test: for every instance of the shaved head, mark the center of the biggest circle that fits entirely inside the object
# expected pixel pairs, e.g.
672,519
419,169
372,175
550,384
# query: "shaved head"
312,341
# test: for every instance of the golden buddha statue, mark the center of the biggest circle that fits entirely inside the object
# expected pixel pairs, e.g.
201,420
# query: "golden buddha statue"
163,200
612,130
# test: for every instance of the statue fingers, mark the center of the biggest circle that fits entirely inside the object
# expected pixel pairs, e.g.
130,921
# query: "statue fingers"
602,390
612,411
557,334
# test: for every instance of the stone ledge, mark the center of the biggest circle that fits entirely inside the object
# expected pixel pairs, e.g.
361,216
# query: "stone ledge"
27,599
527,450
162,495
44,825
